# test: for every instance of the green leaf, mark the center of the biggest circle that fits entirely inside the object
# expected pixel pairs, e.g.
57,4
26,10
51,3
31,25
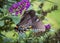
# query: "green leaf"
1,23
16,19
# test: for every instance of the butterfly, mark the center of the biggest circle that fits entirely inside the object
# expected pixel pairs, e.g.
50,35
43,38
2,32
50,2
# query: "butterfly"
30,21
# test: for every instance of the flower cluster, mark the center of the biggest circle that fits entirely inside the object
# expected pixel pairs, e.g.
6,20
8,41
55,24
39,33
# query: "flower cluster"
48,26
19,6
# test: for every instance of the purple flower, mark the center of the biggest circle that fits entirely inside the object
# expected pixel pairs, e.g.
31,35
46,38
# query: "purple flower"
20,11
19,3
11,10
14,6
16,13
24,4
47,26
27,5
25,1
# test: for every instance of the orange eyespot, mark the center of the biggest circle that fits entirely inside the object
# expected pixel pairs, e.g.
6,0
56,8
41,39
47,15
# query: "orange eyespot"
30,26
17,27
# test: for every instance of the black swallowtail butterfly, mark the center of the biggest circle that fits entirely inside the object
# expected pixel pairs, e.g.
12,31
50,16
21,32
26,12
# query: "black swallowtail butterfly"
30,20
